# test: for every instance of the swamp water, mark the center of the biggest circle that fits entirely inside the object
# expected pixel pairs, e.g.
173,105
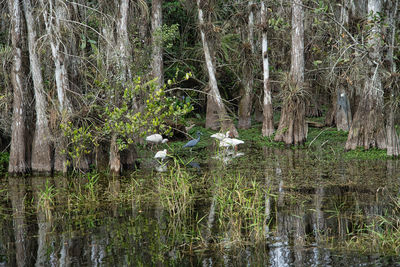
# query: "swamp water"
269,207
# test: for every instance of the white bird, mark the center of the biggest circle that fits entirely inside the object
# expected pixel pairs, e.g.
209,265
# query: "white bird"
218,136
230,142
221,136
156,139
161,168
162,154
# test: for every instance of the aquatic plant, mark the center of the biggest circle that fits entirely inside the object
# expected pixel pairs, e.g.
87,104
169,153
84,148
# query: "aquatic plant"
46,197
175,192
240,205
378,233
90,186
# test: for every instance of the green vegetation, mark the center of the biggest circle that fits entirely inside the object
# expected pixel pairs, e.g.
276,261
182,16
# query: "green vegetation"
4,157
46,199
241,209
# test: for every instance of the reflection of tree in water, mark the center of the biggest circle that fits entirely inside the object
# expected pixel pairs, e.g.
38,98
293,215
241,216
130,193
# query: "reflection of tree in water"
23,244
44,222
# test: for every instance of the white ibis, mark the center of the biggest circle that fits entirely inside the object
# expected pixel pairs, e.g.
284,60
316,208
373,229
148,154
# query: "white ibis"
156,139
162,154
230,142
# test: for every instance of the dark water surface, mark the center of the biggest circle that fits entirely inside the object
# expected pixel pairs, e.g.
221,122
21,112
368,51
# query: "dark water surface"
313,204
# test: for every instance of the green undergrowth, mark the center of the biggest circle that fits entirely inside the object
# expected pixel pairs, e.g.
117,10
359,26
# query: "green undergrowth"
326,140
4,158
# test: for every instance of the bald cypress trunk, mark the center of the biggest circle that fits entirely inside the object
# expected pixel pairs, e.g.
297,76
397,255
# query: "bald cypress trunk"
268,119
124,74
157,55
245,105
17,162
54,18
115,157
343,116
292,125
368,129
393,144
216,116
41,147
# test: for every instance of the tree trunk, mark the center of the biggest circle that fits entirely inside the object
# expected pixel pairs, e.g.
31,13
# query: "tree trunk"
101,157
123,41
268,116
368,129
115,157
157,56
393,144
124,73
245,104
17,162
330,117
343,117
343,113
292,125
53,14
224,122
41,147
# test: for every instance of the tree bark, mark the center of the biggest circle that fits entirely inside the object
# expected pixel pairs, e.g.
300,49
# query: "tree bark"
245,104
214,97
292,125
115,157
330,117
343,110
268,116
53,14
41,147
393,144
157,55
125,74
123,41
368,129
17,162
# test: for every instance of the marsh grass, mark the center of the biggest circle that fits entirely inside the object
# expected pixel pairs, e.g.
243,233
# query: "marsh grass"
84,191
379,234
240,205
175,192
46,199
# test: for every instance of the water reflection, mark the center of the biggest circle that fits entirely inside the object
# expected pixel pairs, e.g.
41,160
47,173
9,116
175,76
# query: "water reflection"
305,202
24,247
194,165
44,220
